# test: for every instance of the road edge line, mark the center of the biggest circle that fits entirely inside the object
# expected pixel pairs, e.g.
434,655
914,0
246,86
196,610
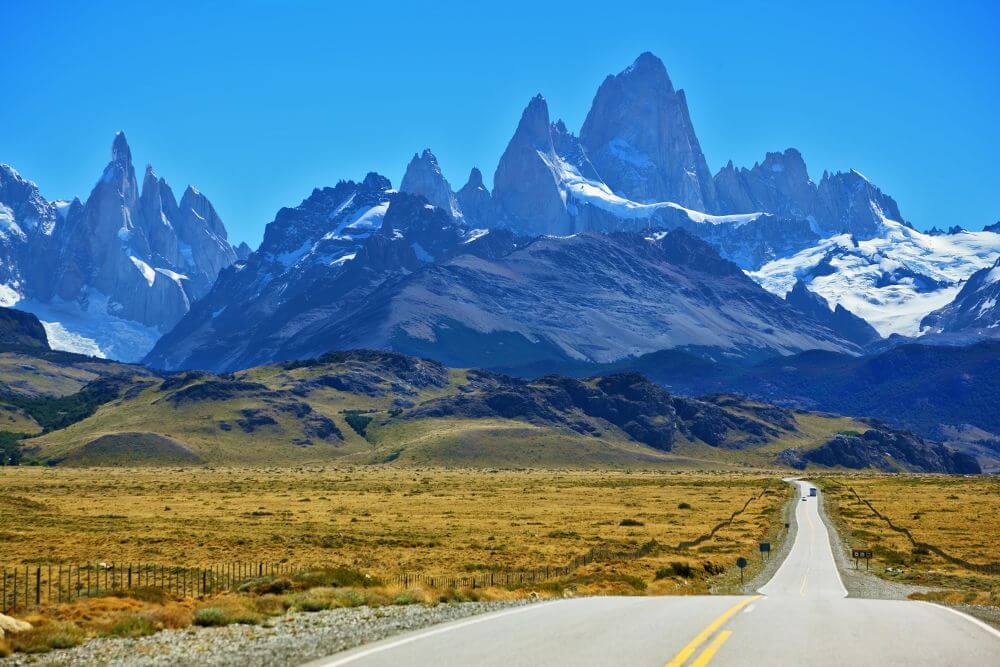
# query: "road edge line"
985,626
361,652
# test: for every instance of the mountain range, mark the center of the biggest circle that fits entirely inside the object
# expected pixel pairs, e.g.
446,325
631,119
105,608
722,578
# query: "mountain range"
590,249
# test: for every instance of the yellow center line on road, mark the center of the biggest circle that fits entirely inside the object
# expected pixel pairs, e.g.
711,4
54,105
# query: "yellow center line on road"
710,650
700,638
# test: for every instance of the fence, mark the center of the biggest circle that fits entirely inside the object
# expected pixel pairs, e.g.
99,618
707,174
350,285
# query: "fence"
30,586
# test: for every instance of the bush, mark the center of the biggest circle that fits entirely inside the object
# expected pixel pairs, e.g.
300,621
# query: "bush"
134,626
713,568
412,596
630,522
684,506
317,599
676,569
226,611
44,638
266,585
209,617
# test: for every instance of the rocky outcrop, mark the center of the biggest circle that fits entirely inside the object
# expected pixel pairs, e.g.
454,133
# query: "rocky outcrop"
639,136
475,201
888,450
850,203
423,177
526,187
780,185
840,320
627,401
20,329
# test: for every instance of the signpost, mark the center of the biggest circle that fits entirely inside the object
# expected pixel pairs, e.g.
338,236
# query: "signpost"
765,550
860,554
741,563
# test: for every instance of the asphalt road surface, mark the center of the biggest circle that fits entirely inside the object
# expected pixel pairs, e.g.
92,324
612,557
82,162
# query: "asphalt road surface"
801,617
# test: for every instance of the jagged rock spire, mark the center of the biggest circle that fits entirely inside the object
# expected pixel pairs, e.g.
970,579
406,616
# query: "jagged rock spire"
639,136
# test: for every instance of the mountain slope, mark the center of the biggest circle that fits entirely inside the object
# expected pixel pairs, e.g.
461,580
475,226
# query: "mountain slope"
108,276
843,322
892,280
587,297
426,284
973,314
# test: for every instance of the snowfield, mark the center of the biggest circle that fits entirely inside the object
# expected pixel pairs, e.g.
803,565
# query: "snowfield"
892,280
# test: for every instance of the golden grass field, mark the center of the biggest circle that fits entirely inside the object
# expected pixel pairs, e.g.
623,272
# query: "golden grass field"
381,521
349,524
960,515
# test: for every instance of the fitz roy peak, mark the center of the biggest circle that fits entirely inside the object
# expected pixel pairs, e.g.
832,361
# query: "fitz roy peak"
107,277
639,136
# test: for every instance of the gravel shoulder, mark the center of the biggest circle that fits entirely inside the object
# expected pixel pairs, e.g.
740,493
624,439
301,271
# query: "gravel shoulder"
863,584
284,641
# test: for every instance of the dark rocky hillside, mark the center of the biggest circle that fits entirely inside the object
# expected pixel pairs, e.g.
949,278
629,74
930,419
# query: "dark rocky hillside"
20,329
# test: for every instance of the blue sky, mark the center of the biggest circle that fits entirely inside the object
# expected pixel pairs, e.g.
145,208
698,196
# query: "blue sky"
256,103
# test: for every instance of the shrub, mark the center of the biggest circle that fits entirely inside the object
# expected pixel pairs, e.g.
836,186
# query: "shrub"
713,568
316,599
226,611
676,569
412,596
630,522
349,598
684,506
172,616
133,626
211,617
44,638
266,585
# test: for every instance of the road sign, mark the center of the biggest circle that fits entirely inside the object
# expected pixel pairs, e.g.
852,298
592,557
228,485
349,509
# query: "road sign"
741,563
765,546
858,554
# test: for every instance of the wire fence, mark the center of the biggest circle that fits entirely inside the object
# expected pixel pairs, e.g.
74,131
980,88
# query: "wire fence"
30,586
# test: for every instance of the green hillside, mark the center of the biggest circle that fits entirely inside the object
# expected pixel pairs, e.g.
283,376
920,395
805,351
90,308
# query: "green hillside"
365,407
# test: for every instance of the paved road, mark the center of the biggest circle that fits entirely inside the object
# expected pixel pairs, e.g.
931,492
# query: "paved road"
802,616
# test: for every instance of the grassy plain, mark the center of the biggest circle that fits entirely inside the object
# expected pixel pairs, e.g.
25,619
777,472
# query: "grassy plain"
385,521
960,515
